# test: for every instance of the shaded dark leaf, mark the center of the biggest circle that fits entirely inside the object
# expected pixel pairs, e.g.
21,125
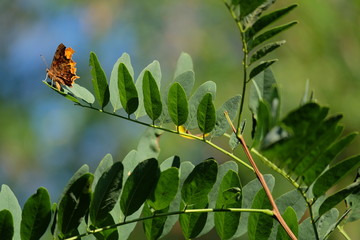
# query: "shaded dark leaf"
106,193
269,34
334,175
138,186
74,204
336,198
291,220
6,225
226,223
266,20
259,226
261,67
36,215
264,51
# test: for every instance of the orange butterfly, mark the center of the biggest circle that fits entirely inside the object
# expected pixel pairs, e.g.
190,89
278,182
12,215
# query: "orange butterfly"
63,70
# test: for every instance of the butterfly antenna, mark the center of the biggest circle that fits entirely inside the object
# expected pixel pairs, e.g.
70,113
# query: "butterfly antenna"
47,66
44,60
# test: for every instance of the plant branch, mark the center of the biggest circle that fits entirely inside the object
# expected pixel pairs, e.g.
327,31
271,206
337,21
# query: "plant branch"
342,231
186,211
244,61
294,183
261,178
184,134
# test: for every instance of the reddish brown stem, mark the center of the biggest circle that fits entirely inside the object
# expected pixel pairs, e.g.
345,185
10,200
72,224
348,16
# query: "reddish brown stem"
259,175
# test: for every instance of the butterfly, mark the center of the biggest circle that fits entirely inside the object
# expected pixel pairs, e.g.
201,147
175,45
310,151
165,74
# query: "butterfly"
62,70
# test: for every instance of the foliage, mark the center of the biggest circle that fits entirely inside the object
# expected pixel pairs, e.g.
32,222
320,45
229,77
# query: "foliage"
303,147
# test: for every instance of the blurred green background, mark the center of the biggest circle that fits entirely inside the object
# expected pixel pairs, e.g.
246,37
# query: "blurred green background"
44,139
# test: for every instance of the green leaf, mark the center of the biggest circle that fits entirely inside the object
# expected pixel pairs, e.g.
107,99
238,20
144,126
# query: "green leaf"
194,195
148,146
291,220
330,154
264,103
326,222
248,195
353,202
306,230
153,227
231,106
165,190
173,161
99,81
193,223
268,34
261,67
199,183
6,225
152,99
262,121
177,104
106,193
303,138
264,87
291,199
109,234
127,90
254,7
9,201
155,70
183,65
294,200
81,92
207,87
114,89
74,204
206,117
265,50
233,141
130,162
64,93
184,171
139,185
336,198
266,20
334,175
186,80
226,223
259,226
330,132
104,165
213,195
36,215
